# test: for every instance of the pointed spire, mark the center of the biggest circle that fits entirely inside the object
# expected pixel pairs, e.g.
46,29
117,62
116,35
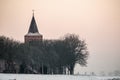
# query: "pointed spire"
33,26
33,11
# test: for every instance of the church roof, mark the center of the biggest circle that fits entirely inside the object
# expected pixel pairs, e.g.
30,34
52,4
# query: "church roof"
33,26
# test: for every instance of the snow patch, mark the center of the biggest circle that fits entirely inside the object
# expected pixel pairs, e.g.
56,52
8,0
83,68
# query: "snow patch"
50,77
33,34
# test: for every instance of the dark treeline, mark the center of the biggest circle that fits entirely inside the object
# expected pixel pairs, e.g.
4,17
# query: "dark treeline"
43,57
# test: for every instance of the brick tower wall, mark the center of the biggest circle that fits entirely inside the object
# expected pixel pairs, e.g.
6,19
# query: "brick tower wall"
33,38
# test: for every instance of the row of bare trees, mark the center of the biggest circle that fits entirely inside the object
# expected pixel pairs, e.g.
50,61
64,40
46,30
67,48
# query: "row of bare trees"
45,57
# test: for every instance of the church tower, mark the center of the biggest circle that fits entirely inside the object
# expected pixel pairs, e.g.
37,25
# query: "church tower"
33,33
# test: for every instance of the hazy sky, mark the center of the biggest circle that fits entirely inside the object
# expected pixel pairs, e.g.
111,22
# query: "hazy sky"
95,21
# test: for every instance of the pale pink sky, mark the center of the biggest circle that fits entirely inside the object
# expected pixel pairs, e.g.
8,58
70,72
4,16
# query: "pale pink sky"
96,21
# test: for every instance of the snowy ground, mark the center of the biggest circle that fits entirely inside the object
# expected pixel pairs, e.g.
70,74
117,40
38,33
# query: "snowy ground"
52,77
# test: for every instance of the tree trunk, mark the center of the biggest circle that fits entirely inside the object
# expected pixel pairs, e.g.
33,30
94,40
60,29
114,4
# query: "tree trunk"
60,70
71,71
71,68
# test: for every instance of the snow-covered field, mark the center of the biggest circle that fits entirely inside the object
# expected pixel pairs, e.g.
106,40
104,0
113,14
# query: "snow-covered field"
52,77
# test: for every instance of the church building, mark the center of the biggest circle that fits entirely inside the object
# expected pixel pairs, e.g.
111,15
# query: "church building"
33,33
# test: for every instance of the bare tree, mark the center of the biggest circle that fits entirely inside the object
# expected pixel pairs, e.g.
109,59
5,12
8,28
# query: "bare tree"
76,50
